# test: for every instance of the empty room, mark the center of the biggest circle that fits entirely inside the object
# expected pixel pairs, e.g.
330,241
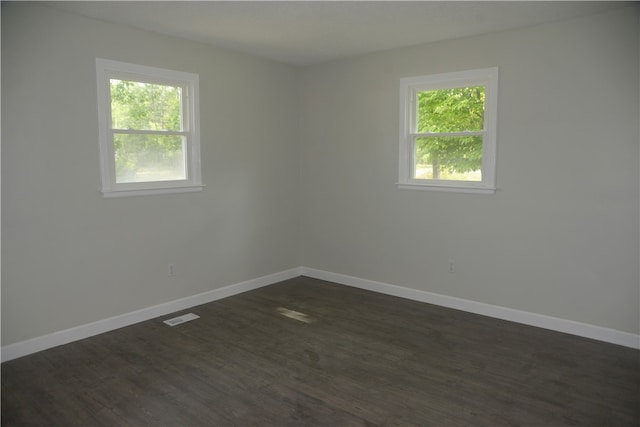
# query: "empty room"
320,213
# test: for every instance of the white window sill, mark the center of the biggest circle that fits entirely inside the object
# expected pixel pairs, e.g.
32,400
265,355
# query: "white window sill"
446,188
150,191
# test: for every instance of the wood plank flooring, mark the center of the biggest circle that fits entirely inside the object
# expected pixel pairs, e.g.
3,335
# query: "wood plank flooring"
310,353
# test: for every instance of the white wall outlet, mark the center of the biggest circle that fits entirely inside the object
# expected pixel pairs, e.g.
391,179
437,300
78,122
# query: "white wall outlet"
452,265
172,270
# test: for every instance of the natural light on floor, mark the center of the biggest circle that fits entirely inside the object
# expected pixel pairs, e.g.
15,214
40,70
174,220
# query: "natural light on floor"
296,315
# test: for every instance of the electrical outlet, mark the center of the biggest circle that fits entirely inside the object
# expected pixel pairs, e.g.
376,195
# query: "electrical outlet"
172,270
452,266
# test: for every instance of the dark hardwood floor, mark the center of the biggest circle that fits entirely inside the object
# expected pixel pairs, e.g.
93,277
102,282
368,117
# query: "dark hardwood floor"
310,353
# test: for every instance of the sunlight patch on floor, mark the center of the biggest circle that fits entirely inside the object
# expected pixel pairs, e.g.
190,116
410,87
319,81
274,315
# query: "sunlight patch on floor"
296,315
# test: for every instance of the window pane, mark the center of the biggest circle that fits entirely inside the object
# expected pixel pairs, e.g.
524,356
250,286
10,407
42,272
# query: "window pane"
451,110
145,106
144,158
457,158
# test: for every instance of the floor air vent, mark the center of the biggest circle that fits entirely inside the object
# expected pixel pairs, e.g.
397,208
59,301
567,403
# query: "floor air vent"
181,319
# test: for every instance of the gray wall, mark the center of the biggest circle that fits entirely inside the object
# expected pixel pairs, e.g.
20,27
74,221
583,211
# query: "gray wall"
70,256
559,238
300,166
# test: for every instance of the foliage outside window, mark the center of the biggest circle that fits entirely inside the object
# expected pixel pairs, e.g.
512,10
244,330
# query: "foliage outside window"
148,129
447,137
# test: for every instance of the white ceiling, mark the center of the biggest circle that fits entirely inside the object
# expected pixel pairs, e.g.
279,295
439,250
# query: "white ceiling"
311,32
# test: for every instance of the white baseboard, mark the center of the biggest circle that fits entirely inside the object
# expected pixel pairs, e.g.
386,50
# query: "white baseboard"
533,319
23,348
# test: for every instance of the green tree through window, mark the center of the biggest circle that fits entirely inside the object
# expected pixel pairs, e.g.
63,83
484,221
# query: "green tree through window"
143,107
445,115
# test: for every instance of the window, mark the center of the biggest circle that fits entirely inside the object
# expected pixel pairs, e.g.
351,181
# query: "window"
148,129
448,131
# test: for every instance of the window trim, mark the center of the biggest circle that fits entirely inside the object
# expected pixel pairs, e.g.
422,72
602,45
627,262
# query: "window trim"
189,82
409,86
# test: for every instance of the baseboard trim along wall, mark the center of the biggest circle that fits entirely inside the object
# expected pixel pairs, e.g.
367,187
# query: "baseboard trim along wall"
527,318
23,348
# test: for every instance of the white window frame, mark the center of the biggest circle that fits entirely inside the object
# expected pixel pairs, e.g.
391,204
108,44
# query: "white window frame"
409,87
108,69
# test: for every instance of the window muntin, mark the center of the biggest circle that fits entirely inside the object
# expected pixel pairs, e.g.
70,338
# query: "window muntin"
447,139
149,139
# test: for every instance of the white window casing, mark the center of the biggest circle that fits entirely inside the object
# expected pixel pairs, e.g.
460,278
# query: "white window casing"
409,87
190,132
